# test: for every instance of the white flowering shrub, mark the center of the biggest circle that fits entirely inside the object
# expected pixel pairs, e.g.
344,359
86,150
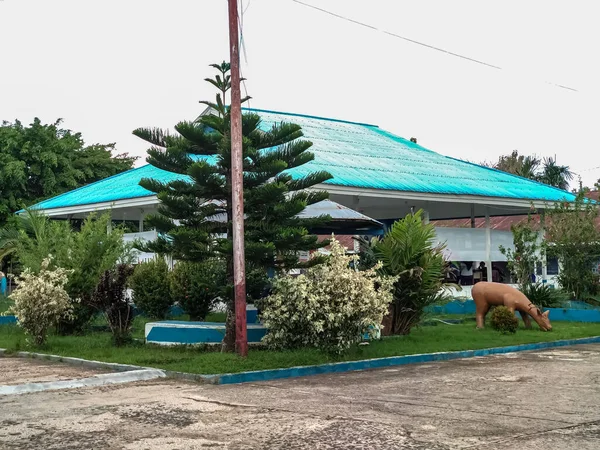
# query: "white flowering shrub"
41,300
330,307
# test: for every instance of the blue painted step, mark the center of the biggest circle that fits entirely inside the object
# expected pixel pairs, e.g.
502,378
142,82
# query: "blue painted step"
5,320
176,332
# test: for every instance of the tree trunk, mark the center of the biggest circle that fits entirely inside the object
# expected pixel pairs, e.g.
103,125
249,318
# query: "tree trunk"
388,321
229,339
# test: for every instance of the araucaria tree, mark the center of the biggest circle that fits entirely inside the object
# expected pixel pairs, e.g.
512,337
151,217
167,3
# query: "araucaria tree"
195,212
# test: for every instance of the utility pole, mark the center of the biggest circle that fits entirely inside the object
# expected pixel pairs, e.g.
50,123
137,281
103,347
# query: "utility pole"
237,188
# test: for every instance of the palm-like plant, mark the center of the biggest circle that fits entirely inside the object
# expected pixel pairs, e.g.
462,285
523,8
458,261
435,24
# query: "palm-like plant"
528,167
545,171
409,251
9,240
555,175
29,224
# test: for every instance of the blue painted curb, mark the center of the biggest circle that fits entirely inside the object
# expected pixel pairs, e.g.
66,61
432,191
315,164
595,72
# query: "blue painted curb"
303,371
578,314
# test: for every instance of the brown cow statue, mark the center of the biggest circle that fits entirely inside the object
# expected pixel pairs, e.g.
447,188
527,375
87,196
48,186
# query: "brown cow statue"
486,295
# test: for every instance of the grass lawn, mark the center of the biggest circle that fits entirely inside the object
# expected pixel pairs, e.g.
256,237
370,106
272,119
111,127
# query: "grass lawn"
5,303
97,346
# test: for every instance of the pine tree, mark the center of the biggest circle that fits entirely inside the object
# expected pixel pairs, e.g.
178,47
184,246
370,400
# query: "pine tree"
194,217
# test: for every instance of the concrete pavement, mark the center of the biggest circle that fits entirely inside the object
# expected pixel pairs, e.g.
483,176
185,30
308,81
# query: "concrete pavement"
535,400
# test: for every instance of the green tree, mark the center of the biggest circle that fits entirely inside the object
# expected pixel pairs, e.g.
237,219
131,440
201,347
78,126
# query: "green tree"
87,254
523,260
195,213
524,166
543,170
555,175
43,160
574,239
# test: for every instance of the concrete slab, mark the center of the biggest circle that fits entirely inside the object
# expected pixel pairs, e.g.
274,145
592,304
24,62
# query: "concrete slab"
545,399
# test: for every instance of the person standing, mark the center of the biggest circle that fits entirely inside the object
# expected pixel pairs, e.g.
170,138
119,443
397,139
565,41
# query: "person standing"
466,273
3,284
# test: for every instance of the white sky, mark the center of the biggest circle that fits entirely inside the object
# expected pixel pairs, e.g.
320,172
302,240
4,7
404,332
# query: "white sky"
110,66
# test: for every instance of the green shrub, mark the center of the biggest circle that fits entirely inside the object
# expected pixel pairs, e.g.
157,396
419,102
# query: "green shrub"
87,254
409,252
329,307
543,295
41,300
110,297
196,286
150,284
503,320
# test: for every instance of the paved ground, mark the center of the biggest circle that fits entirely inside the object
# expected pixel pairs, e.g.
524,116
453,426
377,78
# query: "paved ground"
536,400
19,371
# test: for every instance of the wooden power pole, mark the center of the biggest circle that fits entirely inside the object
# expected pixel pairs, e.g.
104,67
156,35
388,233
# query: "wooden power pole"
237,188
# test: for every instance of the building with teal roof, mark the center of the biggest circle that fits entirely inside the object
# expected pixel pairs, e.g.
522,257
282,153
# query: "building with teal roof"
376,173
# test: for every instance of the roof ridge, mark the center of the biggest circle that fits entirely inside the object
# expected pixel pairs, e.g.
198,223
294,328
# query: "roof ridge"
268,111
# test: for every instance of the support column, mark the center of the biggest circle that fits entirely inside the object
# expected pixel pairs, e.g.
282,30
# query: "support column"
543,252
472,216
141,223
488,244
425,216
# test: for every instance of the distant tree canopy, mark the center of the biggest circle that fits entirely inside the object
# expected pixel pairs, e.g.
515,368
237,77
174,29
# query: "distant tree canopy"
543,170
42,160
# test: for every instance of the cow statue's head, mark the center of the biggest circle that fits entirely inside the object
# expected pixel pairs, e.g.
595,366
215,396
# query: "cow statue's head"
541,318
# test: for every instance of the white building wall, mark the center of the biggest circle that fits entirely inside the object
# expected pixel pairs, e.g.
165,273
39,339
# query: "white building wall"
468,244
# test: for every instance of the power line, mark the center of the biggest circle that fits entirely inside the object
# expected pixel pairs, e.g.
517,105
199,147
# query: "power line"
589,170
431,47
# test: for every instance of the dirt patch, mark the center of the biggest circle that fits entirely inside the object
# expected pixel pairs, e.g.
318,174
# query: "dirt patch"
21,371
160,415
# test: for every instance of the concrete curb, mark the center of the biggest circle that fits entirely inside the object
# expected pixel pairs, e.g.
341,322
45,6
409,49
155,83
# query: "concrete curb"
303,371
116,367
351,366
97,380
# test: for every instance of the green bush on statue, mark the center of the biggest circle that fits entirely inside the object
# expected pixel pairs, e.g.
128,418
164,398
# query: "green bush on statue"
503,320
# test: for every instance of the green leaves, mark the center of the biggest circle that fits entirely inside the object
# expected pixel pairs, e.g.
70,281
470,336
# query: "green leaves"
44,160
154,136
408,251
545,171
574,239
522,261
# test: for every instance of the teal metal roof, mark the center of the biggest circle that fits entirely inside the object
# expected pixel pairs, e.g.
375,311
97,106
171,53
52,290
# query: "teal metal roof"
357,155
